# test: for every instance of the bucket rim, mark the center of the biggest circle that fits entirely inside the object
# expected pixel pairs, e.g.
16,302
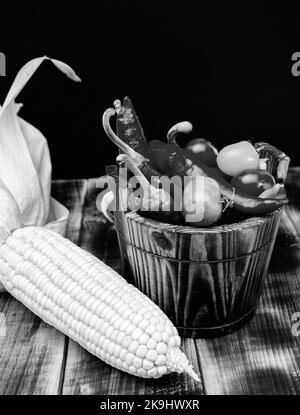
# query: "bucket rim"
251,222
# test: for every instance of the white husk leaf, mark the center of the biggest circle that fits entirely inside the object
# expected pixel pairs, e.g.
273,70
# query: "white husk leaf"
40,155
25,164
10,213
21,79
16,168
66,69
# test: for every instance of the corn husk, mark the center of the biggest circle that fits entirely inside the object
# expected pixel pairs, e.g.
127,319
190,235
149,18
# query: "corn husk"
10,213
25,164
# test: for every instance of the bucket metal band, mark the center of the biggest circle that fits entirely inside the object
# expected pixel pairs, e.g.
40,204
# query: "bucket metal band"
188,261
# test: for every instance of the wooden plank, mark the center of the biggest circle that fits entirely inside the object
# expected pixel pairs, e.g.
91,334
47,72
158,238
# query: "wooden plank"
86,374
264,356
32,352
71,193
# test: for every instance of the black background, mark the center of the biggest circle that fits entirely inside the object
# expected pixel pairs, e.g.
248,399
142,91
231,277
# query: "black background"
226,69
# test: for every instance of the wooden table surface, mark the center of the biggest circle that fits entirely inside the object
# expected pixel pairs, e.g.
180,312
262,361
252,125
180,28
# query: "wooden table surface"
261,358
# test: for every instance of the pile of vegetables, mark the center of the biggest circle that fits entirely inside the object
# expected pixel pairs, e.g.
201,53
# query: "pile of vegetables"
211,181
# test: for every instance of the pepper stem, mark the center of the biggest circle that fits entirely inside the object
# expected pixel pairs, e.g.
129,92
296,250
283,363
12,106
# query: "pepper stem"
183,127
117,104
283,160
228,202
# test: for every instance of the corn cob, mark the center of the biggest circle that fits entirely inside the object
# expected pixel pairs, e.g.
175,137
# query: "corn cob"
77,293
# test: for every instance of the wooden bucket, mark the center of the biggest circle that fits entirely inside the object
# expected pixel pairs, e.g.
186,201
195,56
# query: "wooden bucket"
207,280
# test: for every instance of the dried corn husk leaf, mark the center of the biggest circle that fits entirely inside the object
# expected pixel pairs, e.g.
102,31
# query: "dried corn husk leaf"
66,69
10,213
21,79
40,155
16,167
25,164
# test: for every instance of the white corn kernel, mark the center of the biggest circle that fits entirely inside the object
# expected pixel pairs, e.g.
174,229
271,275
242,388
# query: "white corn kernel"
137,362
133,346
136,334
157,336
161,348
152,355
122,354
152,372
152,344
165,337
150,329
141,351
162,370
132,369
144,338
129,359
147,364
144,324
126,342
161,360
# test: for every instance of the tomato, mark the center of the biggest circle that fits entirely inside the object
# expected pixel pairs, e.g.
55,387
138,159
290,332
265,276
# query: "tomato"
235,158
254,182
201,201
203,150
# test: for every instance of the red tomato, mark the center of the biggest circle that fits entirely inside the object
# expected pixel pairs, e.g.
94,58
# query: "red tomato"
203,150
236,158
254,182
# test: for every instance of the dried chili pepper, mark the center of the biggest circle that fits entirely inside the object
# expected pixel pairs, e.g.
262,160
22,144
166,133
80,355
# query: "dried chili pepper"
174,216
129,128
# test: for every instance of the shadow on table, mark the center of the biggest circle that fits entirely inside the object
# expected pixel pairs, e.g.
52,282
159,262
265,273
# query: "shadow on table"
269,381
285,255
